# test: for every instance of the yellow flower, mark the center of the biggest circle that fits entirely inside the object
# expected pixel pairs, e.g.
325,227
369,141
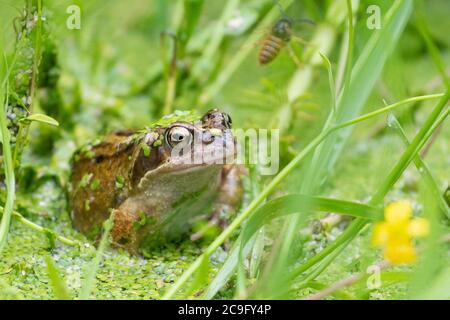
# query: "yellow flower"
397,231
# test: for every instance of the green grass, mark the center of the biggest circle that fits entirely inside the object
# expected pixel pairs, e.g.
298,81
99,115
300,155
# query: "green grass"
338,152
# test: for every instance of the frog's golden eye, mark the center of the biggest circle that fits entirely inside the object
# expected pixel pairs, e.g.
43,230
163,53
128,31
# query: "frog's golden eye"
177,135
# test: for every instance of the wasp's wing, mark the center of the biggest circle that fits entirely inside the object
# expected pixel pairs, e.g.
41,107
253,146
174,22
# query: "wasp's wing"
263,33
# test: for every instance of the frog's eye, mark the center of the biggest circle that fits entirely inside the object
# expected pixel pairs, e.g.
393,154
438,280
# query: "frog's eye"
177,135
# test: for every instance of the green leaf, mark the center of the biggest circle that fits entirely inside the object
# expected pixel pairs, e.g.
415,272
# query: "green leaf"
298,203
201,277
59,286
42,118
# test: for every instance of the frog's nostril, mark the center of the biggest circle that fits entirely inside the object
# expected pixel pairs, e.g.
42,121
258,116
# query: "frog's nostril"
207,137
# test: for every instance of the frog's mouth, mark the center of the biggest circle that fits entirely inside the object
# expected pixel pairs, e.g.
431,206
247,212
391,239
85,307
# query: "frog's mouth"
180,169
218,153
174,167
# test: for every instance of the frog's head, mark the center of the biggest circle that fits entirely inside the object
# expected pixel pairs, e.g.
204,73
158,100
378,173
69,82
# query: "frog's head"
192,147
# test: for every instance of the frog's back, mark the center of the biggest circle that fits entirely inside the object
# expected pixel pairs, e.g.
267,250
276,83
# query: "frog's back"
100,180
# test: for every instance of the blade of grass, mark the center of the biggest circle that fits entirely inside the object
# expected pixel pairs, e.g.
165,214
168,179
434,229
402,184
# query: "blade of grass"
299,203
322,42
422,167
8,167
192,12
94,265
170,73
200,278
349,62
431,46
331,83
227,269
59,286
410,153
431,262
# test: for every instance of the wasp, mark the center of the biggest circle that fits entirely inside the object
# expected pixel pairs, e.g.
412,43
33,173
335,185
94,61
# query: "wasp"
279,37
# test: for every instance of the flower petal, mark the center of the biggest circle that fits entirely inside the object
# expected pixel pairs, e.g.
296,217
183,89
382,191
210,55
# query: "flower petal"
419,227
380,234
398,212
400,254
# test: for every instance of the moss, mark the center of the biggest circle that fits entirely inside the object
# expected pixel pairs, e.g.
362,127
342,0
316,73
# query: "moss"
95,184
120,182
146,149
157,143
85,180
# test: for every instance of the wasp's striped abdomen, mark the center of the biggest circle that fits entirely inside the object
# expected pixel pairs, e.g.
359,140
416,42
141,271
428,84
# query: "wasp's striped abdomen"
270,49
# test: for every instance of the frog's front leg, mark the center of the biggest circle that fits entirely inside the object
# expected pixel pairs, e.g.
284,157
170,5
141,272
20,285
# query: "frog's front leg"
230,193
124,232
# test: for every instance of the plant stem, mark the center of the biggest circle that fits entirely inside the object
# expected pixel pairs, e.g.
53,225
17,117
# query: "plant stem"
390,108
22,135
349,62
18,217
171,81
9,170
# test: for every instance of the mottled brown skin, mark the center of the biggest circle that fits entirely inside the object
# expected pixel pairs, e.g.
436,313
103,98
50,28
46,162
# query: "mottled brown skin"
159,193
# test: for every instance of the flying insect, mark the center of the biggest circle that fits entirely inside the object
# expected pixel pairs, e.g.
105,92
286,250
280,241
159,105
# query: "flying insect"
280,36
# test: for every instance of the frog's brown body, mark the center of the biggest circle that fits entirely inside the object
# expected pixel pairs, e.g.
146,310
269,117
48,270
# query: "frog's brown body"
151,191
